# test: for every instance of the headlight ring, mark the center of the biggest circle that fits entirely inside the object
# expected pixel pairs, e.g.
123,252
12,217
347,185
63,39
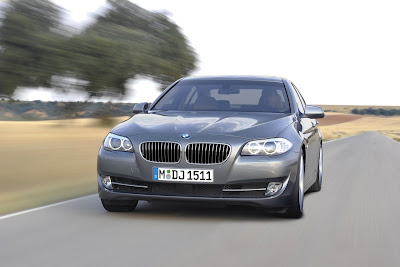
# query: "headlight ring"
114,142
266,147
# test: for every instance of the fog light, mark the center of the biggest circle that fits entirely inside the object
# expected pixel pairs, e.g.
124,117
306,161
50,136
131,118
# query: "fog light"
107,182
273,188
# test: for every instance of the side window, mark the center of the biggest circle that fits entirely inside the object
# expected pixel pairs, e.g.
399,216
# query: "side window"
298,99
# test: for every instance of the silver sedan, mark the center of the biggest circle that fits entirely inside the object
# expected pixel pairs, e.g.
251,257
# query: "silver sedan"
234,140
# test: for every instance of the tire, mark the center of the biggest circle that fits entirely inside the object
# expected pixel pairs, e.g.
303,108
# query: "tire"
114,206
296,211
316,187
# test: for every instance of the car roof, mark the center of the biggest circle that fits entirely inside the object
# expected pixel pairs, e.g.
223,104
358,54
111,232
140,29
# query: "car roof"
237,77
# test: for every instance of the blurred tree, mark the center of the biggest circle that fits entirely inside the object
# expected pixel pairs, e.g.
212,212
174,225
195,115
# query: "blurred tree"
128,40
30,47
124,41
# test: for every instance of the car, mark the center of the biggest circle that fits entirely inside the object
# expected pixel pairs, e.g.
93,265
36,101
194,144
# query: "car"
233,140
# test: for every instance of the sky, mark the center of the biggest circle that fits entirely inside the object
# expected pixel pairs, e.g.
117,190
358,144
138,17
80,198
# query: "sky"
335,52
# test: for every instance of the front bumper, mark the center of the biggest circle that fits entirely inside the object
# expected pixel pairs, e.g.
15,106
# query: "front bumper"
283,201
128,168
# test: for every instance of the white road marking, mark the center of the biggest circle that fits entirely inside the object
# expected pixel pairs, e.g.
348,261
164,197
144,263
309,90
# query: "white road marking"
42,207
391,139
326,142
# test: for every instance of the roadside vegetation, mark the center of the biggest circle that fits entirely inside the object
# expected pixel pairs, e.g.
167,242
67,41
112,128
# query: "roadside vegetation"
339,125
37,48
349,108
377,111
44,162
11,110
346,120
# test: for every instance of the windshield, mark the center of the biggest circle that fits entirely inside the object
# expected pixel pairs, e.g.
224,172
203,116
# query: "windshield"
226,95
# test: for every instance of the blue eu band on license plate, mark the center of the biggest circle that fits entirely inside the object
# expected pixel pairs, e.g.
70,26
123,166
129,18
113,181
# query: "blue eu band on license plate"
183,175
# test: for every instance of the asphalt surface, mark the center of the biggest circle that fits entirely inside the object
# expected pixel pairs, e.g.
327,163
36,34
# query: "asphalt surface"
353,221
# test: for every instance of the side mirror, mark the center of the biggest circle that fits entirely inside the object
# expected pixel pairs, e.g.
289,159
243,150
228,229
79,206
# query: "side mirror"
140,107
313,112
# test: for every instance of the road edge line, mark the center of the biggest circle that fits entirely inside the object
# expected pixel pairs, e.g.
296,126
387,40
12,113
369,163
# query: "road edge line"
326,142
389,138
42,207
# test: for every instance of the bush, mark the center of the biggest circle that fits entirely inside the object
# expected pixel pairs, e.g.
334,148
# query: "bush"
379,111
64,110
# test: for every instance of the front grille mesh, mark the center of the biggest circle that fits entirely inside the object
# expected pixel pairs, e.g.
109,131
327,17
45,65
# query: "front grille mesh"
207,153
161,151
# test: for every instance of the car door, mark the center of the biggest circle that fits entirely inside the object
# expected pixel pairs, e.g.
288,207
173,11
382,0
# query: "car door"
310,133
315,142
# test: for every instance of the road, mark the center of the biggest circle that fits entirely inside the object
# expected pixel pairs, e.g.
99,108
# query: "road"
353,221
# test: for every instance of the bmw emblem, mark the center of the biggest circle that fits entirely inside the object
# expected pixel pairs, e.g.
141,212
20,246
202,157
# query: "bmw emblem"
185,136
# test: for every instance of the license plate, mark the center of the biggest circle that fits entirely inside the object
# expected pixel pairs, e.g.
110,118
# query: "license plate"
183,175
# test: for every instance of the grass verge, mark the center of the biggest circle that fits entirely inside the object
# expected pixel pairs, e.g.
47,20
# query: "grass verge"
44,162
389,126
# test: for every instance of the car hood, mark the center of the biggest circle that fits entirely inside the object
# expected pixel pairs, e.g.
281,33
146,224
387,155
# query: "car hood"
249,125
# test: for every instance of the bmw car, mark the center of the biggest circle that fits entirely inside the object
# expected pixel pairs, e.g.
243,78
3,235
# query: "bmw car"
232,140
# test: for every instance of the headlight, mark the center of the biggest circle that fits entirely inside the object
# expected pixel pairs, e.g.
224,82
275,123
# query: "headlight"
114,142
267,147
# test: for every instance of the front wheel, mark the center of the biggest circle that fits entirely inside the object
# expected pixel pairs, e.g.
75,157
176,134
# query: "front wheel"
296,211
115,206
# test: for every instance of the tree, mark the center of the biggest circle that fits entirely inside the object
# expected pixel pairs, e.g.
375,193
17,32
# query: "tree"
30,47
128,40
123,42
172,48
